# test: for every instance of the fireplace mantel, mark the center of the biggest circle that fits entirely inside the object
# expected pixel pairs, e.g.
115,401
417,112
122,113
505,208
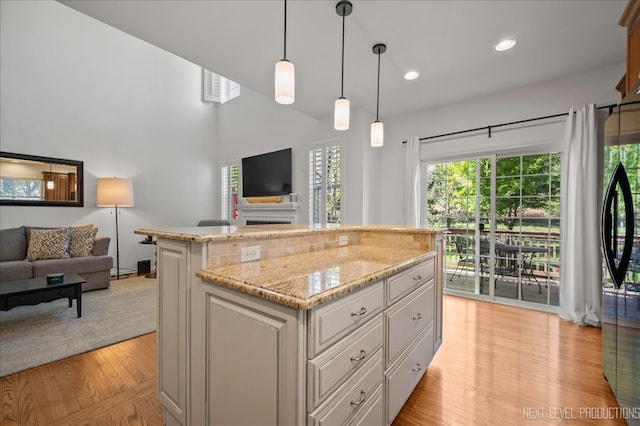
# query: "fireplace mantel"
268,213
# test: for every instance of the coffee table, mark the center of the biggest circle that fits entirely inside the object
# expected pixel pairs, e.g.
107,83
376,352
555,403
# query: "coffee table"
32,291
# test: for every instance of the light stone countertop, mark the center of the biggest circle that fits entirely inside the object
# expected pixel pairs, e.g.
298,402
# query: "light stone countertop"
302,281
233,232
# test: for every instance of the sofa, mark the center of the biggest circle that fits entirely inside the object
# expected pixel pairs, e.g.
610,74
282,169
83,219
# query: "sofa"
28,252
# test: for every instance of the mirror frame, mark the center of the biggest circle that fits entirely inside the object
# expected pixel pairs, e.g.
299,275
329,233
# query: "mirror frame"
79,202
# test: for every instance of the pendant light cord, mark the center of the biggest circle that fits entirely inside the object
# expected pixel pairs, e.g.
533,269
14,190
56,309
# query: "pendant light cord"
285,30
378,95
342,76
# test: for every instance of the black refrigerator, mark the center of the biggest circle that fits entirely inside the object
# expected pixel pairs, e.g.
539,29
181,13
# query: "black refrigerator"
621,250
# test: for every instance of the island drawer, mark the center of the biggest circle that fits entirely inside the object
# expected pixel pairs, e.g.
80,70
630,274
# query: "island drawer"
351,397
405,282
403,378
404,321
335,365
332,321
372,412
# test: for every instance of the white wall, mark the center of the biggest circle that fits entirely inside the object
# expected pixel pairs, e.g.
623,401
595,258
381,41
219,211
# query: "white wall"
361,178
74,88
253,124
552,97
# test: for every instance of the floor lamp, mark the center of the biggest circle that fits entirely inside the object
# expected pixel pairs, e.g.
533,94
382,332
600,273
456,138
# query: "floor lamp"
115,192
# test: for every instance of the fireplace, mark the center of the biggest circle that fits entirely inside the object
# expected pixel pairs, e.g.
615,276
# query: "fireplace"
268,213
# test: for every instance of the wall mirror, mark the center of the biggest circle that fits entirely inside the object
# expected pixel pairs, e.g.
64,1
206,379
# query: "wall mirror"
30,180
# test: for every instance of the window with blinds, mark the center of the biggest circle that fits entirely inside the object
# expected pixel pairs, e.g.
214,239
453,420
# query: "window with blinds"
216,88
325,180
229,192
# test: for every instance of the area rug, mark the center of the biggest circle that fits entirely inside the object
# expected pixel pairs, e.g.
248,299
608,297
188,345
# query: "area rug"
39,334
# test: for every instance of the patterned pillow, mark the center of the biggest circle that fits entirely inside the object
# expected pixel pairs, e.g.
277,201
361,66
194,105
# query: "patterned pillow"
48,244
81,242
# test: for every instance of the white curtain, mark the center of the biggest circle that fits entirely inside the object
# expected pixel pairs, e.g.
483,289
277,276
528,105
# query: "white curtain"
412,183
580,271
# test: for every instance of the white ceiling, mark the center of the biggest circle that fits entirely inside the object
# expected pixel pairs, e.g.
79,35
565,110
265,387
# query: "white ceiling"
449,42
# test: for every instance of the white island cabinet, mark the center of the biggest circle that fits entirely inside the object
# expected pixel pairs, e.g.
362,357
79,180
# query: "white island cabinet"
314,333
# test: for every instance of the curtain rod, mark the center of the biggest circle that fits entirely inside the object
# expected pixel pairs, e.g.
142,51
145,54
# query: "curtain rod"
490,127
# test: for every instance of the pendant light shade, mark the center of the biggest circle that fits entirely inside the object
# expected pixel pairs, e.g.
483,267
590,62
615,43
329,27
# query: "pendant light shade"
285,81
377,133
50,184
377,128
341,114
342,107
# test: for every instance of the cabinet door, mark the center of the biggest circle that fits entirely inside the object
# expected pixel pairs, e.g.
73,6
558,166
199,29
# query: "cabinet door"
251,361
172,327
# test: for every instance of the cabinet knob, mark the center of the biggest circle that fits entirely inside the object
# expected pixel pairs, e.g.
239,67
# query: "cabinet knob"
360,357
361,312
363,396
417,368
417,317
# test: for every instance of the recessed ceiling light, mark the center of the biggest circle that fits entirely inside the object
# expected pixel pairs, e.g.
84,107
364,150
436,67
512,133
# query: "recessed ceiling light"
411,75
505,45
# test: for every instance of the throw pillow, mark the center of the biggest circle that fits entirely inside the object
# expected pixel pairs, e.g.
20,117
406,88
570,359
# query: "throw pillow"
13,244
30,228
81,242
88,226
48,244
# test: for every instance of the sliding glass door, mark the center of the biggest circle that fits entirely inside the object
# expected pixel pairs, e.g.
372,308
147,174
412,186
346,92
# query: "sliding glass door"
452,204
502,221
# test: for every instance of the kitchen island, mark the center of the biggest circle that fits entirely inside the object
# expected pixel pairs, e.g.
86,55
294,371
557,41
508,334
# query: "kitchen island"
330,325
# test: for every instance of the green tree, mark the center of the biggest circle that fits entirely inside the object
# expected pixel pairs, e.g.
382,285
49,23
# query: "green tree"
522,183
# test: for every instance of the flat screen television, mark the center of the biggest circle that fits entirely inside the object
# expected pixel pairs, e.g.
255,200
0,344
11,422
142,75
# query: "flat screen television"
267,175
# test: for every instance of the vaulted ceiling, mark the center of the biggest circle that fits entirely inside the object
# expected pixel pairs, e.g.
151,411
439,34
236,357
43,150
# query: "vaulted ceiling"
451,44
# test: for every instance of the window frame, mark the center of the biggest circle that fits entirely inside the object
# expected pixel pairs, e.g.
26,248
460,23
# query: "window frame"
228,197
321,210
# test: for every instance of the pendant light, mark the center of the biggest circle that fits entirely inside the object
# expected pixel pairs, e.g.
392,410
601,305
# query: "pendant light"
341,111
377,128
285,81
50,184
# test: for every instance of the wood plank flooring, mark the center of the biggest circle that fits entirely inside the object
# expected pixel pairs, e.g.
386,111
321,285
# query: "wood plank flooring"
501,365
114,385
498,365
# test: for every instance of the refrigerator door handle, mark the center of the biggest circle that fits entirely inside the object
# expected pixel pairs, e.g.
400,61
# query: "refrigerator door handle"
617,268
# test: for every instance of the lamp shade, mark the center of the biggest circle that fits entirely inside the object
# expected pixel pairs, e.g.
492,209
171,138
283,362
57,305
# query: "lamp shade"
285,82
341,114
113,192
377,134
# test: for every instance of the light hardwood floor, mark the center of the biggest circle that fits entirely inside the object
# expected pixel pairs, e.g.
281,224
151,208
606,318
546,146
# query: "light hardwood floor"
498,365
